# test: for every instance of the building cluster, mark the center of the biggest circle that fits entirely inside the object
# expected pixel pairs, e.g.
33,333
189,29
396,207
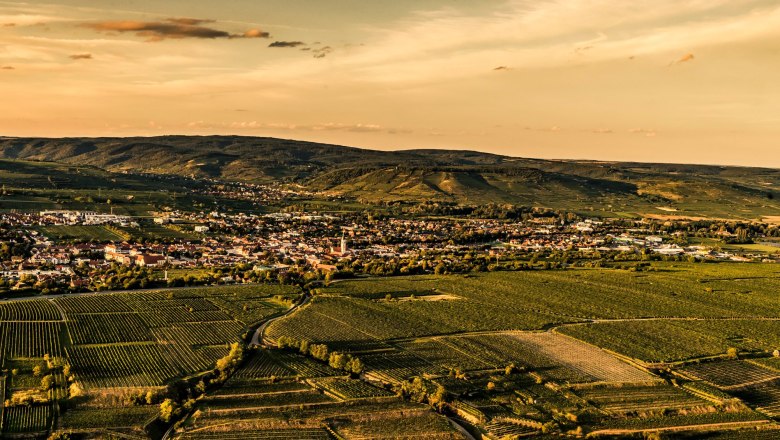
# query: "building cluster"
277,241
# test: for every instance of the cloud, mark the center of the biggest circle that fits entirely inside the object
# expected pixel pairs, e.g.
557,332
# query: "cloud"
322,52
9,24
683,59
81,56
190,21
286,44
7,68
172,28
331,126
325,126
255,33
643,131
501,68
602,131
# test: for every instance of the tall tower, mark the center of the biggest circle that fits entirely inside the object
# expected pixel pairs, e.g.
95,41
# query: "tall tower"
343,244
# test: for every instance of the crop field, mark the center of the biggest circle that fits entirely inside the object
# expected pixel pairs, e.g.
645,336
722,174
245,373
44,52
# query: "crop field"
29,310
550,354
115,365
640,399
27,419
148,338
356,419
118,417
261,434
674,291
396,426
262,364
263,401
507,429
239,386
520,348
740,310
82,233
96,329
30,339
764,396
673,340
396,366
730,374
348,389
772,363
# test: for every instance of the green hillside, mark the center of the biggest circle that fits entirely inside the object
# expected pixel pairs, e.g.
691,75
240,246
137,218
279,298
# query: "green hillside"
452,176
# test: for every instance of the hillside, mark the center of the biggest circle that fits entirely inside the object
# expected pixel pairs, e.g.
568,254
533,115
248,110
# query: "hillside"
427,175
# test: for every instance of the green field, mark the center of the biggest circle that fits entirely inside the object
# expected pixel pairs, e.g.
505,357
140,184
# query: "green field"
82,233
101,344
513,353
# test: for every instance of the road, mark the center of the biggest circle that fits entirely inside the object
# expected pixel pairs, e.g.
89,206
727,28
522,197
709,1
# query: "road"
258,339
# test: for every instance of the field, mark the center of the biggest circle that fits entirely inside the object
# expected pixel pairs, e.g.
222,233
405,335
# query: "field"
82,233
594,350
113,342
552,355
641,399
730,374
552,328
666,340
263,400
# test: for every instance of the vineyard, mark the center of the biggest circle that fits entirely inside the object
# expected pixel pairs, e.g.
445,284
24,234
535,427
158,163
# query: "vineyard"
113,342
667,341
513,354
730,374
641,399
347,389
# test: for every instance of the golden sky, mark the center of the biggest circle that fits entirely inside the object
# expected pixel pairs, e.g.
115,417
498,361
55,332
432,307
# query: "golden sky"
645,80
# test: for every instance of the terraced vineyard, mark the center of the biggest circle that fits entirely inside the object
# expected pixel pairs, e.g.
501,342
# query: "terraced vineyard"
730,374
468,340
764,396
648,399
111,343
27,419
510,354
348,389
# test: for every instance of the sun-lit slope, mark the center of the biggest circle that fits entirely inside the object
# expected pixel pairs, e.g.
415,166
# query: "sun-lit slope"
423,175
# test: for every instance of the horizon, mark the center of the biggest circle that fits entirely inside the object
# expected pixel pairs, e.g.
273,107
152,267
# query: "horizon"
654,82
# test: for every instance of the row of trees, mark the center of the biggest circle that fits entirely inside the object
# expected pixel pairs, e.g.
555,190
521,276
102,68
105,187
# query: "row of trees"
340,361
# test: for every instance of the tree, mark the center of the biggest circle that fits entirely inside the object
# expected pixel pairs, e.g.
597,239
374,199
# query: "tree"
47,382
168,410
355,366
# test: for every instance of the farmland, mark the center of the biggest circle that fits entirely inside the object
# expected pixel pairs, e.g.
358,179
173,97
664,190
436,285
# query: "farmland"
111,344
588,343
521,353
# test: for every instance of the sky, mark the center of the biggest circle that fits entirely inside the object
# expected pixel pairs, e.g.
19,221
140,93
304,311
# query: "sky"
691,81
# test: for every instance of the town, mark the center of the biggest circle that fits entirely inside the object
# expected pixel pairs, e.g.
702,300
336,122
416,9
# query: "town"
295,247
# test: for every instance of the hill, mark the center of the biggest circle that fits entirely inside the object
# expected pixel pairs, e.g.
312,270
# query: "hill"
448,176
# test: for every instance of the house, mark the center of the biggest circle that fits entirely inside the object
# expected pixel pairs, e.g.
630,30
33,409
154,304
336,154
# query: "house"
147,260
